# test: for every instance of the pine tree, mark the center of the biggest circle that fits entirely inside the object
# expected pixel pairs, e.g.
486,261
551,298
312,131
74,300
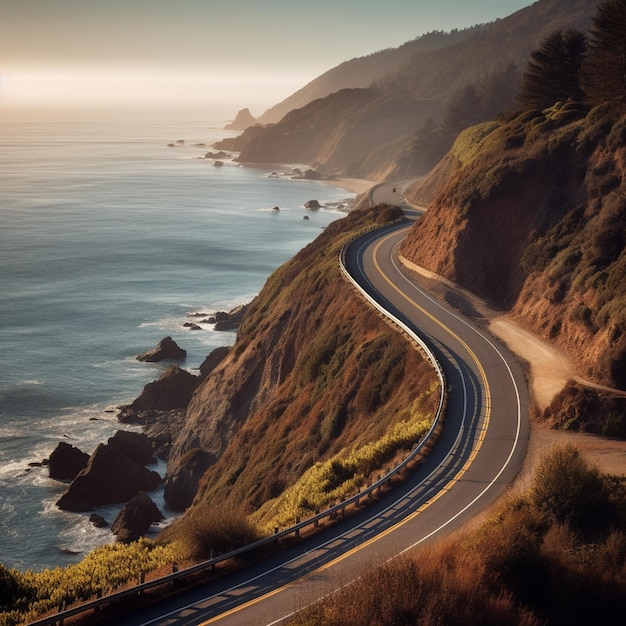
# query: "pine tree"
604,72
430,145
498,91
553,73
464,110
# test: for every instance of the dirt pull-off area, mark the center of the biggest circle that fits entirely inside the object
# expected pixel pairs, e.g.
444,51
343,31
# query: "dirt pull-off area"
549,370
548,367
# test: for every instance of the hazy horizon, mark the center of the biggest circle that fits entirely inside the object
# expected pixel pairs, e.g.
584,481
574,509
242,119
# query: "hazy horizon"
200,53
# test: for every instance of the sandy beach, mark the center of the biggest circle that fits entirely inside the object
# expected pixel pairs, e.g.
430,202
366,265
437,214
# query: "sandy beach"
354,185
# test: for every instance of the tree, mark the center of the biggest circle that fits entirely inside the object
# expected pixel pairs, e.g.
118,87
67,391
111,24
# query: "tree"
604,72
553,73
499,90
567,490
430,145
464,110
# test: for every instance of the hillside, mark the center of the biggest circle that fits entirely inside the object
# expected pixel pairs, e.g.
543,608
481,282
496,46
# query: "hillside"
334,133
382,131
553,554
363,71
531,215
438,74
314,375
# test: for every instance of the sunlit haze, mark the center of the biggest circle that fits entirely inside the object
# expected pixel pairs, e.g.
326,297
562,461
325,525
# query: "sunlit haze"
201,53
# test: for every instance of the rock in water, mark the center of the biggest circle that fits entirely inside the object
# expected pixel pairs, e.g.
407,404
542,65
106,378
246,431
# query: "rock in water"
172,390
135,518
167,349
110,477
243,120
66,462
98,521
232,319
136,446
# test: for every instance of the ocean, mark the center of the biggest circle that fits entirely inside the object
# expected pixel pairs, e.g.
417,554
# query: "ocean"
109,241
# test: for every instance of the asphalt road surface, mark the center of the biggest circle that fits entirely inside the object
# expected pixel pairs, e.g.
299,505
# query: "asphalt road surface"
475,459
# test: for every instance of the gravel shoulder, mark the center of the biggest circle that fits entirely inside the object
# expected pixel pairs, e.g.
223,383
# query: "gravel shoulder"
548,369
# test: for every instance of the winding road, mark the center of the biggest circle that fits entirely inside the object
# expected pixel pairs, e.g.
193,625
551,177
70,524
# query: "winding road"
475,459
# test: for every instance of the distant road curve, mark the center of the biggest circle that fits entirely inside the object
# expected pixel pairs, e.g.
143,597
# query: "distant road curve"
475,459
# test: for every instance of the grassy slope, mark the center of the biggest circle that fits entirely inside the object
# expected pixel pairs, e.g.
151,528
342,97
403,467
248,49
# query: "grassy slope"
532,217
315,376
555,554
317,392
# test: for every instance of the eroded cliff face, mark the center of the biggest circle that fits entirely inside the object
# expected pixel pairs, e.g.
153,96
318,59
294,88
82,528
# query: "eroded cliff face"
314,370
531,215
336,132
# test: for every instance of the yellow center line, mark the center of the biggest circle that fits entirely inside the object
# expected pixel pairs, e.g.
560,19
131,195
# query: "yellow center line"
455,479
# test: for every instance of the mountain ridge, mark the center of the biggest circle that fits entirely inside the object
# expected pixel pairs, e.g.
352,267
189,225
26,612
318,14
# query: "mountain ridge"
432,79
362,71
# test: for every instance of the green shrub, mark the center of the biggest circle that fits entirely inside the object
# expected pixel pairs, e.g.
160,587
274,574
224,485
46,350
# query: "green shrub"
15,593
206,532
30,594
567,490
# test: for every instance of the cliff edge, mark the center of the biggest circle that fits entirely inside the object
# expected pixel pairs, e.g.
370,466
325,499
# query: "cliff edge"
314,372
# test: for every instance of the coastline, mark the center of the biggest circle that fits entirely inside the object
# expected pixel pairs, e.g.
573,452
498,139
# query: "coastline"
53,407
354,185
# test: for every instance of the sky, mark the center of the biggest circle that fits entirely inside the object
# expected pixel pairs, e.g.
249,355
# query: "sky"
229,53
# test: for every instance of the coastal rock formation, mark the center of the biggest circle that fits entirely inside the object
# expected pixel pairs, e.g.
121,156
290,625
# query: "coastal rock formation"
166,349
311,174
161,427
336,133
66,461
181,485
389,128
136,446
243,120
109,477
135,519
214,358
231,319
98,521
172,390
312,204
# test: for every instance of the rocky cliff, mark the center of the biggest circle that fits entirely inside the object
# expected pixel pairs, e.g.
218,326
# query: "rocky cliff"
314,371
336,132
530,213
